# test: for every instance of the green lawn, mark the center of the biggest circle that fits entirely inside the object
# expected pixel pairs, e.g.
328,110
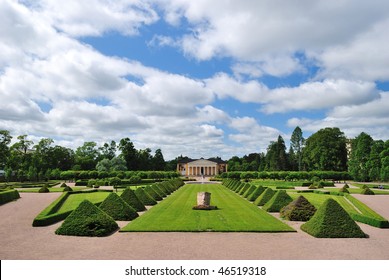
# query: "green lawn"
233,214
36,190
74,200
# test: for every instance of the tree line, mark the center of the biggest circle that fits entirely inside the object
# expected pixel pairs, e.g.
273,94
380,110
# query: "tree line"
25,160
364,158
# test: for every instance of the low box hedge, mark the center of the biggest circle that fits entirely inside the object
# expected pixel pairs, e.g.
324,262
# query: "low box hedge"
8,195
50,216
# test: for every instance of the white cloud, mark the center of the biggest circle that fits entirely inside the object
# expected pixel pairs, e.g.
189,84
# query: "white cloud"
371,117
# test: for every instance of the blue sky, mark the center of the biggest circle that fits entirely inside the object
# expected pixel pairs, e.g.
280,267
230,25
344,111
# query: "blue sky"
198,78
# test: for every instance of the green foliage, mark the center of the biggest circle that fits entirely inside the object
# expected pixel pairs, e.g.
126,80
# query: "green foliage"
67,189
118,209
299,209
87,220
63,185
249,191
264,197
131,199
151,191
8,195
44,189
257,192
244,188
343,190
367,191
360,153
332,221
277,202
326,150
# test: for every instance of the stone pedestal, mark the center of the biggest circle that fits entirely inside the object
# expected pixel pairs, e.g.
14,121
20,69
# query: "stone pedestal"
204,202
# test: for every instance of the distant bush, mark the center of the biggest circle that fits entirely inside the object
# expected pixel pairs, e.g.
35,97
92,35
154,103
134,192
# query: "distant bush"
299,209
44,189
87,220
367,191
67,189
344,189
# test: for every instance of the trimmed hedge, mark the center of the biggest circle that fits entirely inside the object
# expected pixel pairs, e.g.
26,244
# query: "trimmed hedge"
150,191
67,189
367,191
257,192
129,196
299,209
144,197
332,221
50,216
264,197
249,191
8,195
118,209
87,220
44,189
277,202
284,188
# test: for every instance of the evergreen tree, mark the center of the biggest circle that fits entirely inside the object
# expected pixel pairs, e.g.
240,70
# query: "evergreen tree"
297,144
360,154
374,163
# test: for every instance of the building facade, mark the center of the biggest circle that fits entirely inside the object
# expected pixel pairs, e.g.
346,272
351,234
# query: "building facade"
201,167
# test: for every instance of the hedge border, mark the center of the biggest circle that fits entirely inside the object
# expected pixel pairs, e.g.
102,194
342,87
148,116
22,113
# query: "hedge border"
8,196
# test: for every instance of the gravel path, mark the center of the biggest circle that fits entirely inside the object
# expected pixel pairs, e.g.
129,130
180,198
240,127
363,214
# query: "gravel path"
19,240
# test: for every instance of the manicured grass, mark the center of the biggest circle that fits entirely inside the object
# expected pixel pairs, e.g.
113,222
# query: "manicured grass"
74,200
233,214
276,183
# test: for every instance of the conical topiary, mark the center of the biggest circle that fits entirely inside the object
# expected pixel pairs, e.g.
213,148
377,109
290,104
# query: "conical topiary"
151,191
257,192
63,185
264,197
87,220
44,189
278,200
299,209
117,208
367,191
129,196
344,189
249,191
244,188
67,189
332,221
144,197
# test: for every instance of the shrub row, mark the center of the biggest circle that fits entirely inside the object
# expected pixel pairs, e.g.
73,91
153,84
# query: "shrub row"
8,195
75,175
288,175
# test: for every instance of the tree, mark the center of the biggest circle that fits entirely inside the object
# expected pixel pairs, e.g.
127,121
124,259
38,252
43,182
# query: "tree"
359,157
326,150
128,153
158,160
276,158
384,155
86,156
297,144
108,150
374,162
144,159
5,139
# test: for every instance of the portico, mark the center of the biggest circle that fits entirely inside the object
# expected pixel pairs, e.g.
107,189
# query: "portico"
201,167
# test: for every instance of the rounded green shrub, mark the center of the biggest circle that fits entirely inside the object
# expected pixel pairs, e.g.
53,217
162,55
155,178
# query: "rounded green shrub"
129,196
332,221
299,209
277,202
87,220
117,208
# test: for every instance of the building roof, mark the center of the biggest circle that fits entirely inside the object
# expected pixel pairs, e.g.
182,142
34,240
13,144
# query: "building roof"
217,160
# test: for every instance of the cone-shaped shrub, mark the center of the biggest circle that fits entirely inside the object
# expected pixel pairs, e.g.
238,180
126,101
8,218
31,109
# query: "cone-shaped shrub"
87,220
118,209
150,191
144,197
277,202
63,185
344,189
131,199
44,189
249,191
332,221
158,190
244,188
367,191
365,187
257,192
299,209
264,197
67,189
